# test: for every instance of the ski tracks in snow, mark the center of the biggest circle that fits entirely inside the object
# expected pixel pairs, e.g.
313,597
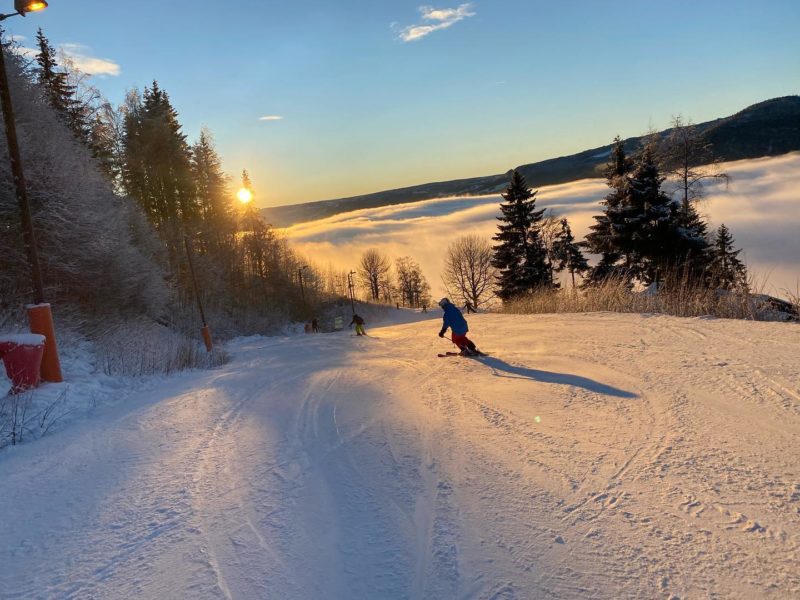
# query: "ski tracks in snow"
591,456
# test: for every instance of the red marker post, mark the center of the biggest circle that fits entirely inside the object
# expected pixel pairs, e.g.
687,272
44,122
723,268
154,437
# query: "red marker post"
40,318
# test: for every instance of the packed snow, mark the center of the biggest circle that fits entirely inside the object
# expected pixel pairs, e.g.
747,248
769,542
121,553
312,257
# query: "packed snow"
22,339
589,456
761,206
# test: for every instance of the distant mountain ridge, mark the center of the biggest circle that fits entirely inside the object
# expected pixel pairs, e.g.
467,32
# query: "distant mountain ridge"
769,128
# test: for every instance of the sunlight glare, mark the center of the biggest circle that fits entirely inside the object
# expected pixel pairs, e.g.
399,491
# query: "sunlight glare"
244,195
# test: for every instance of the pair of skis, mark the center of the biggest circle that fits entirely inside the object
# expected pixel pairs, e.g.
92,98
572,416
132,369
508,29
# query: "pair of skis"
468,353
475,355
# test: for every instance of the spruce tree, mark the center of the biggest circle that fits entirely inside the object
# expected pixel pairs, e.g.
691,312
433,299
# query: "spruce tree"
727,271
213,198
158,171
648,232
134,154
602,239
520,255
692,250
568,253
60,94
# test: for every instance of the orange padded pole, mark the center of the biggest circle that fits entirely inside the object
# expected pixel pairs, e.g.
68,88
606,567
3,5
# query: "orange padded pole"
207,337
40,318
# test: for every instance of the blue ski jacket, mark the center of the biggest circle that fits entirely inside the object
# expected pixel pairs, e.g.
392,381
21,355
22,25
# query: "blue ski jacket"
454,320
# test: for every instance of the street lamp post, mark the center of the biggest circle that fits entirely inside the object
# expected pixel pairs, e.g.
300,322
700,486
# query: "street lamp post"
302,287
350,287
205,331
39,313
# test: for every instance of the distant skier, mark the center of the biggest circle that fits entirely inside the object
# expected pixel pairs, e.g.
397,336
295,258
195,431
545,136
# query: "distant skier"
314,325
455,321
359,323
469,308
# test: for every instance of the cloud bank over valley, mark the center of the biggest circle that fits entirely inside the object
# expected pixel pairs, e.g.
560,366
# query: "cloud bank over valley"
761,206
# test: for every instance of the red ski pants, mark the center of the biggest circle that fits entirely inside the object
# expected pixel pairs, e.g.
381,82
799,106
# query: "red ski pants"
462,341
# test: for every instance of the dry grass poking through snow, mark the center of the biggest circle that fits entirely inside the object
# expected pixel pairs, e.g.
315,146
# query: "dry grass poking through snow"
142,348
681,300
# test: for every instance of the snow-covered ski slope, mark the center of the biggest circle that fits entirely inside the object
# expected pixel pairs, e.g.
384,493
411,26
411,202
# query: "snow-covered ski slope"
591,456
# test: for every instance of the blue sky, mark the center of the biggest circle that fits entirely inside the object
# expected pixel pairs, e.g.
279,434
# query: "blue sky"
369,101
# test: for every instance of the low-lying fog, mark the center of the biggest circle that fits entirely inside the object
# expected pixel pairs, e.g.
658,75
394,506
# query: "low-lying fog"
761,206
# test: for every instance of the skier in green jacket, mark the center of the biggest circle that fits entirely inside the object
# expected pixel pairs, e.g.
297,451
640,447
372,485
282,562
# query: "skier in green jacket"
359,323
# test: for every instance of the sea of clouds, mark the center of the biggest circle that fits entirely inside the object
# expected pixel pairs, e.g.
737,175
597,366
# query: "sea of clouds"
760,204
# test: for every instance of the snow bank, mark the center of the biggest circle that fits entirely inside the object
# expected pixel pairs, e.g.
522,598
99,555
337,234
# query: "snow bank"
125,358
23,339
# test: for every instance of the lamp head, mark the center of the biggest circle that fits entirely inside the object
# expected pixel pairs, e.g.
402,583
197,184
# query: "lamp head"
25,6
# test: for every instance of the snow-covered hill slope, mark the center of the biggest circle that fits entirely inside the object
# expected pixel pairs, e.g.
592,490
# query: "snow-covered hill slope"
591,456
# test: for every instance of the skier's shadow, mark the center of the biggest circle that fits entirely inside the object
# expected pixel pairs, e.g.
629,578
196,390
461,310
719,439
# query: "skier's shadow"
500,366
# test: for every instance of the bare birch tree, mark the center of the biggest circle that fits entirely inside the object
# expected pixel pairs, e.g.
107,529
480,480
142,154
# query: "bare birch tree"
548,232
468,272
688,159
373,269
411,283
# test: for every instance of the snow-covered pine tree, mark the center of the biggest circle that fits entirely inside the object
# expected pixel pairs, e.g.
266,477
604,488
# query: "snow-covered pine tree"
520,255
97,251
602,236
648,232
568,253
727,271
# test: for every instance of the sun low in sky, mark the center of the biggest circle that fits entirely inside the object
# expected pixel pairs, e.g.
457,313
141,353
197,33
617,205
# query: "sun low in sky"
245,196
321,99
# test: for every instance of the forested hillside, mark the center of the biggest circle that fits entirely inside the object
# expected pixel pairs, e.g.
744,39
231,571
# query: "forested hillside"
119,195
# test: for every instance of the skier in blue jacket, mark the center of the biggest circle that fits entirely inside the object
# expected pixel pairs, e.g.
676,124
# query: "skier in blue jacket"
455,321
